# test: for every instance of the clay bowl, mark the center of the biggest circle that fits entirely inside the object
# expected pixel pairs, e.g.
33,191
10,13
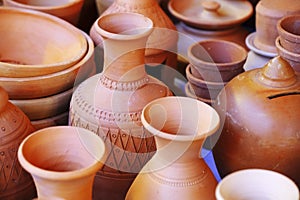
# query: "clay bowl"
68,10
289,32
35,43
50,84
216,60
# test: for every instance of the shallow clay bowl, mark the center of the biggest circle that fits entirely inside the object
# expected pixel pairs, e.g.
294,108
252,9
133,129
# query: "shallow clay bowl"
35,43
46,85
68,10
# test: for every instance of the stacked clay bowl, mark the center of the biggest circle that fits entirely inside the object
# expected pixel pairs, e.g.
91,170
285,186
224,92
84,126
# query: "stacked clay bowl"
42,58
213,63
288,41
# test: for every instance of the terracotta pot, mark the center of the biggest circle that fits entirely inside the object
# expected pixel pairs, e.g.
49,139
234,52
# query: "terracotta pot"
47,85
68,10
57,120
66,167
180,126
53,46
291,57
110,103
268,13
189,92
216,60
256,184
15,183
162,43
289,32
262,102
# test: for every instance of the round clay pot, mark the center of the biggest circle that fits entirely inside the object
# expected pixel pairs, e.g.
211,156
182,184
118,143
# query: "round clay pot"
68,10
289,32
65,167
50,84
291,57
216,60
43,45
180,125
256,184
268,13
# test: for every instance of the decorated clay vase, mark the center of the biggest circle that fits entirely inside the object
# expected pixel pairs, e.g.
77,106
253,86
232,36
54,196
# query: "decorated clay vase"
261,110
110,103
180,126
63,161
15,183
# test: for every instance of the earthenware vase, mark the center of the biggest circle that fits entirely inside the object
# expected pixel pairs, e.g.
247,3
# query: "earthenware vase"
65,167
180,126
15,183
110,103
261,121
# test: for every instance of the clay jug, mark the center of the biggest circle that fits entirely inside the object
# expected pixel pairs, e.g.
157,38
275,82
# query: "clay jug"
261,110
15,183
180,126
110,103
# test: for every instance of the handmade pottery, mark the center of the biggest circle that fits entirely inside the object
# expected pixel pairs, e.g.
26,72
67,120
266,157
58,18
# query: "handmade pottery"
65,167
110,103
180,126
261,121
43,45
68,10
57,120
256,184
15,183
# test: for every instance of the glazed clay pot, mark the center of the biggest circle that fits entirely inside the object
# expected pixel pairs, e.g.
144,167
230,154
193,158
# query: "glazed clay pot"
15,183
261,121
65,167
110,103
180,126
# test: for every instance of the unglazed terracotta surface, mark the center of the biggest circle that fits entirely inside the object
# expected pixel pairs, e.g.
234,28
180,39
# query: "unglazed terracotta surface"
63,161
180,126
110,103
261,121
15,183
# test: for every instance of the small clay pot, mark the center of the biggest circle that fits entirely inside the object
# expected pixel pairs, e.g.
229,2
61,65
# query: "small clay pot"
289,31
216,60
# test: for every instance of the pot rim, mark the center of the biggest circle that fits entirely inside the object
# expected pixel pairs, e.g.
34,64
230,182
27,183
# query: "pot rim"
285,53
67,4
286,34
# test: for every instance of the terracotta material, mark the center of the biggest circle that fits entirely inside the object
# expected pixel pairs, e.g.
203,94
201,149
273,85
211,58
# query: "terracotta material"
110,103
257,184
261,121
268,13
15,183
47,85
45,44
68,10
162,43
180,126
57,120
216,60
65,167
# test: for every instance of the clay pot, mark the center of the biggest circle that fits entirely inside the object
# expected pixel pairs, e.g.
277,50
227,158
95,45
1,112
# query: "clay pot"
262,104
53,46
268,13
216,60
256,184
50,84
68,10
110,103
65,167
289,32
15,183
180,126
57,120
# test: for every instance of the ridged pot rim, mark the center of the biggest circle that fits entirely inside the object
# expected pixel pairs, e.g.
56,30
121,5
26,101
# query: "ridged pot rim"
285,53
284,26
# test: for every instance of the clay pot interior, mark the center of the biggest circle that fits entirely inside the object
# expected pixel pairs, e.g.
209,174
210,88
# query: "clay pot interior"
216,60
251,184
53,46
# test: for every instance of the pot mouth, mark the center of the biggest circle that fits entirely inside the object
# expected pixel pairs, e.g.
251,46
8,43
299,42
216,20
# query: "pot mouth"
289,28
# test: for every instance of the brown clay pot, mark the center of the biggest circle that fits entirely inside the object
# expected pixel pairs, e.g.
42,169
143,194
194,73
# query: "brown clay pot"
15,183
110,103
180,126
261,121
